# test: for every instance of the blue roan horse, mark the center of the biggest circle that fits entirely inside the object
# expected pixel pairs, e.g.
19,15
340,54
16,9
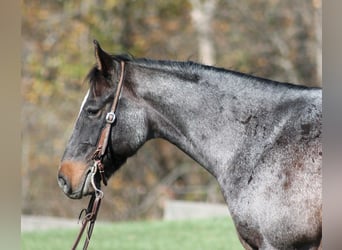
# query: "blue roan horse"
259,138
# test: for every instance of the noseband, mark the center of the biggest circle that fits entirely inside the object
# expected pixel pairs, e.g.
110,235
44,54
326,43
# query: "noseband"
95,200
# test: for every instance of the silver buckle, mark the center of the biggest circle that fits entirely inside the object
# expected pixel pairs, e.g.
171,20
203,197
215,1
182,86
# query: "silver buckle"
110,117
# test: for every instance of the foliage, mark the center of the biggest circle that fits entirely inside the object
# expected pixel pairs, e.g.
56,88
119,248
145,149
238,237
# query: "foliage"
271,38
199,234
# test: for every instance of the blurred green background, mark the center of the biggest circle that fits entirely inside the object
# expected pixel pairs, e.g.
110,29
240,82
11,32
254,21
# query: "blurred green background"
274,39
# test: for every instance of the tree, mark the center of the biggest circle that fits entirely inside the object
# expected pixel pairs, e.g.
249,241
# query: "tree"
202,14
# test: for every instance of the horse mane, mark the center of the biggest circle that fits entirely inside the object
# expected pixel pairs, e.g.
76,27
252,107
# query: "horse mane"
188,70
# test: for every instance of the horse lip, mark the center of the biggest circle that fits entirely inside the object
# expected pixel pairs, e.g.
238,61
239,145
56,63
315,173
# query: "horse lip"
84,190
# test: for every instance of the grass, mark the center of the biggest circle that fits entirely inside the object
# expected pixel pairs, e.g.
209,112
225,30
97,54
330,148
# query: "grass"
204,234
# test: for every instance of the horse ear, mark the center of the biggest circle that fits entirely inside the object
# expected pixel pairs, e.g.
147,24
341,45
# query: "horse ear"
103,59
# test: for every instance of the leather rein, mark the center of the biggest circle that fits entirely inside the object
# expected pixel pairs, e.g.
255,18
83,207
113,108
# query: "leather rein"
95,200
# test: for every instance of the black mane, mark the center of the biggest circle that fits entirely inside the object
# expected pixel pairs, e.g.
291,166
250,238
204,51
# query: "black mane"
187,69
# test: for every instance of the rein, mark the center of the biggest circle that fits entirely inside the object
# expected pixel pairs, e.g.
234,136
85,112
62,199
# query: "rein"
95,200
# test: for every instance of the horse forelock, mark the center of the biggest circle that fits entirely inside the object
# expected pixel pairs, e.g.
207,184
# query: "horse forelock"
98,81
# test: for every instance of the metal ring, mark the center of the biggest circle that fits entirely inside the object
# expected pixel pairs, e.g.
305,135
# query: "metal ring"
98,191
110,117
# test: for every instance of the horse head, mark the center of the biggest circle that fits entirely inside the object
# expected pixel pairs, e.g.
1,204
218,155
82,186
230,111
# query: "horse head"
128,132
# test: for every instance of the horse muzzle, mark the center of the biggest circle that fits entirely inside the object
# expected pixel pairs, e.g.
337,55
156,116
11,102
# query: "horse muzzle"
74,179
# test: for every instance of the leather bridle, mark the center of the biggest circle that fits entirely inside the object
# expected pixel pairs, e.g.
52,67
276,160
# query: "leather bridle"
110,119
95,200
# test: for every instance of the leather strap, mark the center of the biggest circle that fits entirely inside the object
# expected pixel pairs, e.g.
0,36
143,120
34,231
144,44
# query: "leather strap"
91,214
95,200
104,137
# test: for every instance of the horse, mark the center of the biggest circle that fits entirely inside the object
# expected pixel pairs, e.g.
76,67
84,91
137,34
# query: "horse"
260,139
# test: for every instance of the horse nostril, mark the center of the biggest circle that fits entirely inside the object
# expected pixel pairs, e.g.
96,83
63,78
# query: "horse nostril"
63,183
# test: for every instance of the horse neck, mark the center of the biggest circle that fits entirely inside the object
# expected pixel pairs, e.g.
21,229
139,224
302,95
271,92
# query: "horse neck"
204,112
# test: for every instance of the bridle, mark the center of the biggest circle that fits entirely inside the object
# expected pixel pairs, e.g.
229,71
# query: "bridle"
95,200
110,119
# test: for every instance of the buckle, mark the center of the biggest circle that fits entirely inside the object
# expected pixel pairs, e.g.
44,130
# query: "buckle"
110,117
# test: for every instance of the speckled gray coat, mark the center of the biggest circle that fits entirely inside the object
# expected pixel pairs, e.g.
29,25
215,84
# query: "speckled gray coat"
261,140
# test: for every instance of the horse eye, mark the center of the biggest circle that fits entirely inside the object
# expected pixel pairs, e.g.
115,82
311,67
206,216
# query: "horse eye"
92,111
